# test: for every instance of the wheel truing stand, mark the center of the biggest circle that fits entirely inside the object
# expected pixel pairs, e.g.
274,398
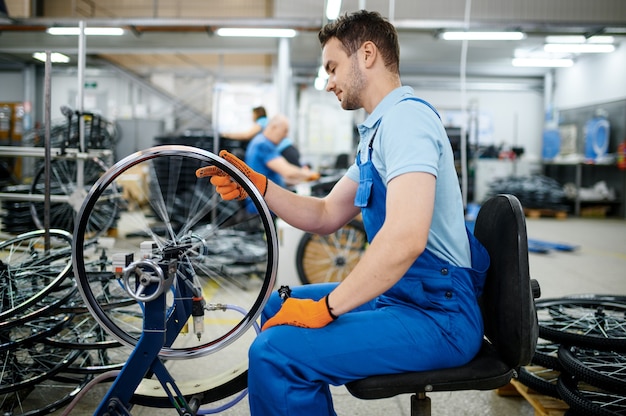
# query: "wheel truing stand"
149,280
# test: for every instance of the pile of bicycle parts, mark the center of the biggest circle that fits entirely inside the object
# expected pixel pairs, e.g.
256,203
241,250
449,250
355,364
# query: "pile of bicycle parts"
50,346
70,320
581,354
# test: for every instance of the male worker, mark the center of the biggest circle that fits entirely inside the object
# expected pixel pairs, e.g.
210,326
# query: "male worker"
410,304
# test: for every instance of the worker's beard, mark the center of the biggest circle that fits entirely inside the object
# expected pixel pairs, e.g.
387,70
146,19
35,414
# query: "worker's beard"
351,99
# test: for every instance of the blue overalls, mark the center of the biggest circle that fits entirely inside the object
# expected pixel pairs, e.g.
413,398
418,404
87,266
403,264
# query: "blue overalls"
429,319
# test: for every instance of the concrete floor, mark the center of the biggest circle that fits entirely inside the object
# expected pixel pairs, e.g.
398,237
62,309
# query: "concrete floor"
597,266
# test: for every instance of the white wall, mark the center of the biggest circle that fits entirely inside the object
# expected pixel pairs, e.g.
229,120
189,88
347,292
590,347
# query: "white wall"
325,129
594,79
516,117
507,118
112,97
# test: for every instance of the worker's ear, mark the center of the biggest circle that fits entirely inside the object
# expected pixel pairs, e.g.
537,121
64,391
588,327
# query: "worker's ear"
369,53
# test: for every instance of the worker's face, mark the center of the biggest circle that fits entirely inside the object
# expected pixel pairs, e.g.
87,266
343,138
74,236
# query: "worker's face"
345,78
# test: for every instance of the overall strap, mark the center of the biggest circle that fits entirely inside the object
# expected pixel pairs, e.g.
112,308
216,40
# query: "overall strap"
429,105
404,99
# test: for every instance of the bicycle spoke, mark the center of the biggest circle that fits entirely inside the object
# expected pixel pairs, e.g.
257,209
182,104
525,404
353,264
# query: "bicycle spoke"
25,367
221,253
585,322
63,177
29,272
330,258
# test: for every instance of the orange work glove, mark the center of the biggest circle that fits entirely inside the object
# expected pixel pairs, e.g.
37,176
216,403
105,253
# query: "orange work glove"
313,177
223,183
305,313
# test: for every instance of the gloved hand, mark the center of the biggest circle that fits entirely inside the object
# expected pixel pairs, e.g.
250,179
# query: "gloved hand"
305,313
313,177
223,183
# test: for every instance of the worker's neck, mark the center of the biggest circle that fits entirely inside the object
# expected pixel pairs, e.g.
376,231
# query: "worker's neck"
379,87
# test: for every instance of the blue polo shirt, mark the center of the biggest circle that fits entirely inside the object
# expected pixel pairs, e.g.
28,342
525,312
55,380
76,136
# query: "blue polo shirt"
259,152
411,138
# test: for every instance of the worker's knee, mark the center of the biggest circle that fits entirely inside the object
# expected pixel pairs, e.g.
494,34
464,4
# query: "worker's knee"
261,354
274,347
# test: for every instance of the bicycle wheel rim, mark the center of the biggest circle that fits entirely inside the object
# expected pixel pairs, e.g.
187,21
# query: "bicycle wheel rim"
589,400
604,369
30,365
25,261
330,258
179,156
592,323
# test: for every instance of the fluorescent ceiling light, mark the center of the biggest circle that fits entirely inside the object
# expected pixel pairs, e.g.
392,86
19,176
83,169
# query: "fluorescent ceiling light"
95,31
542,62
55,57
333,7
578,48
579,39
457,35
256,32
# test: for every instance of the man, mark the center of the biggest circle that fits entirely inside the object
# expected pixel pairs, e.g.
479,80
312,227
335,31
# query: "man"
289,151
410,304
259,117
264,155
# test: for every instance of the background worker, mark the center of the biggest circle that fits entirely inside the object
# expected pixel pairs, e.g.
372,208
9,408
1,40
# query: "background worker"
410,304
264,155
289,151
259,116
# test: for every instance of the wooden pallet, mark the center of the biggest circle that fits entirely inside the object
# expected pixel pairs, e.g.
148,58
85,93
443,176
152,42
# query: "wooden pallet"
544,212
543,405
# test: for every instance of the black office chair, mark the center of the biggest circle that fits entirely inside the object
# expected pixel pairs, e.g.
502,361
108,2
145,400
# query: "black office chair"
508,310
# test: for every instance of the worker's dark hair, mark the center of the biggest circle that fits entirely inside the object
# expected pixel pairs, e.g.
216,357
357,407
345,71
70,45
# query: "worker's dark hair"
352,30
259,112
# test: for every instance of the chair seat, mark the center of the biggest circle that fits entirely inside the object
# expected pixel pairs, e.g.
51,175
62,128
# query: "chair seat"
485,372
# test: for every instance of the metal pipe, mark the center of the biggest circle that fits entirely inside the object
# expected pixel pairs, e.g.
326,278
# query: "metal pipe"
27,151
80,165
47,154
57,199
463,81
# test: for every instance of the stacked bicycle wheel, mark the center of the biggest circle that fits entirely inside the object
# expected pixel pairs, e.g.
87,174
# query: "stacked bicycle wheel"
35,378
581,354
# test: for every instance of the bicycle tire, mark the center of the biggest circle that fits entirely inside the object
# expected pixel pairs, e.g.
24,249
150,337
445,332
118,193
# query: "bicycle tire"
600,296
571,412
591,323
546,354
604,369
542,380
230,264
29,271
330,258
589,400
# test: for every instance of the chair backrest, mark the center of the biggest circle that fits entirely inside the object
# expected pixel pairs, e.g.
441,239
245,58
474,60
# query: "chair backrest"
508,301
